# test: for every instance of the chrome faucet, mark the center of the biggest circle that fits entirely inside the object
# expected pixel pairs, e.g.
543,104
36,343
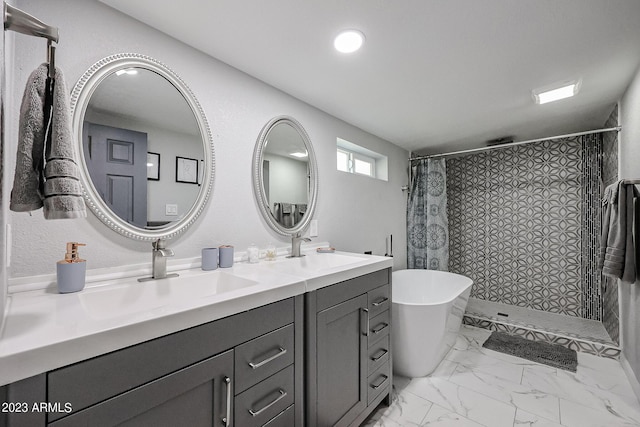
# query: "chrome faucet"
159,257
296,241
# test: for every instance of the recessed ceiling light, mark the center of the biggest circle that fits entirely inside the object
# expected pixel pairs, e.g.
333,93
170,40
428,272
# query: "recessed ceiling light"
348,41
550,94
298,154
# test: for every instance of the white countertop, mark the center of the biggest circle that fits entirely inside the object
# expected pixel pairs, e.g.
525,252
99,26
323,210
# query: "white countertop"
44,330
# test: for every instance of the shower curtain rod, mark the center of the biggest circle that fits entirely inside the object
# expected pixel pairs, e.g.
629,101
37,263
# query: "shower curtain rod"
513,144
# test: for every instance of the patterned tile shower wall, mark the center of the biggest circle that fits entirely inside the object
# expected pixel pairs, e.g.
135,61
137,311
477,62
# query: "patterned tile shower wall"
515,224
591,226
610,312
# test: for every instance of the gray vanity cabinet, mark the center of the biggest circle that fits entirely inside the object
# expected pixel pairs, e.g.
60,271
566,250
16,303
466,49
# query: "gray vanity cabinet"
341,338
243,370
348,370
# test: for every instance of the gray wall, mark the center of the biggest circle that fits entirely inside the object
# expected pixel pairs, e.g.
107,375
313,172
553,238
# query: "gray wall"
355,213
629,164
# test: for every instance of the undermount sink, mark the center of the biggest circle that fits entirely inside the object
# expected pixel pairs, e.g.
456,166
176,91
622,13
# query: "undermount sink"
133,297
315,262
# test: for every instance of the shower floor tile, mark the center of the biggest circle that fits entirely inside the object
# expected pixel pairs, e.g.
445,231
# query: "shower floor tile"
474,386
582,335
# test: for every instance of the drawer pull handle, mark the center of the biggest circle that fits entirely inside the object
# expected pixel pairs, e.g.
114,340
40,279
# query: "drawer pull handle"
283,394
377,386
380,356
380,302
380,328
281,352
227,420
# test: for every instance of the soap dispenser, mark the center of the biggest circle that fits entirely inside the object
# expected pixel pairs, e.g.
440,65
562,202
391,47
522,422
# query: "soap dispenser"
71,270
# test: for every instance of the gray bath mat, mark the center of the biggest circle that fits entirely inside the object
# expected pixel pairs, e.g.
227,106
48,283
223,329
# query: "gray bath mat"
550,354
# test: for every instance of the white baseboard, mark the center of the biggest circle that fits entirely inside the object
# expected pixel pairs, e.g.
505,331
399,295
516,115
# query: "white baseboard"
631,376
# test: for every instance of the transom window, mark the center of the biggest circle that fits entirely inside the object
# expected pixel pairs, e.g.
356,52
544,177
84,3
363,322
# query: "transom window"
355,159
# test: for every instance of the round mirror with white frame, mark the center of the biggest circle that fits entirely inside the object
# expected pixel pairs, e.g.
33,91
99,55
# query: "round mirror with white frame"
144,145
285,175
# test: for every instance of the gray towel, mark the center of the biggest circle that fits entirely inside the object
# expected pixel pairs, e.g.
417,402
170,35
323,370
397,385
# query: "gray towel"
26,194
277,212
62,190
617,251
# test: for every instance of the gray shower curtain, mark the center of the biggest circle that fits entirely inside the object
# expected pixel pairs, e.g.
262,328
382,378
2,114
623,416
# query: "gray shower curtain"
427,223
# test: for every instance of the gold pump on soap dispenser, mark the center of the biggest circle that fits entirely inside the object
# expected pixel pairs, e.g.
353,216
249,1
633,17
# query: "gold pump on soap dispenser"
71,271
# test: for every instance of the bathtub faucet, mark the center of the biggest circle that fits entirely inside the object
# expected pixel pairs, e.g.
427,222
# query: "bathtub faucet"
296,241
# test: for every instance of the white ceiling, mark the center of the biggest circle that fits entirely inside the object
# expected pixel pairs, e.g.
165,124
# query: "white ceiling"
433,75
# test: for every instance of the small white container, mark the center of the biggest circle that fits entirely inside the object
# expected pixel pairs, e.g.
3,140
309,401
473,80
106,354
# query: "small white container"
253,254
270,253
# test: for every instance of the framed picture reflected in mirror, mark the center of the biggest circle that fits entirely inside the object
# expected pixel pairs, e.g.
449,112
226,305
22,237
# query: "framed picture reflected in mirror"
186,170
153,166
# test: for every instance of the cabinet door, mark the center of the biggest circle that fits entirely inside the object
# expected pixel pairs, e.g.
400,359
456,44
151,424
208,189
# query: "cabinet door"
341,362
198,395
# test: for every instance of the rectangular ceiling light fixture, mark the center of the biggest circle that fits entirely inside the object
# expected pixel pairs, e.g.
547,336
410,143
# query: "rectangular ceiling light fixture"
568,89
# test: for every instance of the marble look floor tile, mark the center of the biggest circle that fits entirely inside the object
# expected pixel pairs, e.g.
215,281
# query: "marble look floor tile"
400,382
569,388
527,419
407,408
576,415
518,361
509,370
477,387
601,373
468,403
471,356
522,397
444,370
470,337
441,417
538,369
384,422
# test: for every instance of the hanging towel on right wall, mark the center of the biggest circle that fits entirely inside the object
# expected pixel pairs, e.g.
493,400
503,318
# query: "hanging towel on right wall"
618,247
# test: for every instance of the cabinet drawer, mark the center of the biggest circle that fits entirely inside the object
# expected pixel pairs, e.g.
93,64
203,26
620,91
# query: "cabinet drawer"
265,400
379,300
379,327
284,419
378,354
343,291
263,357
95,380
378,382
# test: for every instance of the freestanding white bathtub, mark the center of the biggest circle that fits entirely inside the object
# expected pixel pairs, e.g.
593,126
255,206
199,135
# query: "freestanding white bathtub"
428,307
